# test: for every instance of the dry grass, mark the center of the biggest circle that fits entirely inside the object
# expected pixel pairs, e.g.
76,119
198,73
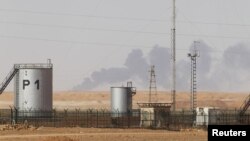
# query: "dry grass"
100,100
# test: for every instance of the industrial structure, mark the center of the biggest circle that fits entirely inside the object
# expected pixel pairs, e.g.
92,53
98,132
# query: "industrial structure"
121,100
32,87
33,90
173,40
154,114
152,85
193,90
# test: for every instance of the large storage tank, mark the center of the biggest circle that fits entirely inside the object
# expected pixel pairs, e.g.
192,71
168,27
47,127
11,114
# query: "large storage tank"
121,100
33,89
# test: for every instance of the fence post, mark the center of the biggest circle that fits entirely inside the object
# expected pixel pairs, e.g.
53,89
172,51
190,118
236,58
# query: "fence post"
16,112
54,115
248,121
97,117
91,120
76,118
11,115
154,119
129,119
87,118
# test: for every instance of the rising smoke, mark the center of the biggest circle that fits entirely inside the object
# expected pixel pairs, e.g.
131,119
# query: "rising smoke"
135,68
231,73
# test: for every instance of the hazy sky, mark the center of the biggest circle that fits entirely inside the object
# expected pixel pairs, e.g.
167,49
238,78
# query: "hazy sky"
86,36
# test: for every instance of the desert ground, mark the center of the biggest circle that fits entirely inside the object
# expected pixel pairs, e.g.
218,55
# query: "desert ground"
97,134
101,100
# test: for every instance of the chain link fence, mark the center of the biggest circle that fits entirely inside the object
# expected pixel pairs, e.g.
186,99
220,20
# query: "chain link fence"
135,119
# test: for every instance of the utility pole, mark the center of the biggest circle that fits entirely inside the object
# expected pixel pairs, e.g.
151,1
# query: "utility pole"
173,30
152,86
193,91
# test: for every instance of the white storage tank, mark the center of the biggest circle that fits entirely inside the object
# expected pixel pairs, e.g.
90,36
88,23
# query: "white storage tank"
121,100
33,88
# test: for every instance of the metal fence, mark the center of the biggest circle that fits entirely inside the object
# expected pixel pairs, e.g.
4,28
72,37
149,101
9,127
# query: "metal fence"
135,119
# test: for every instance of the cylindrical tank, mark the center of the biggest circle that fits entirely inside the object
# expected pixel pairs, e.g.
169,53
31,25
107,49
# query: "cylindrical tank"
121,101
33,90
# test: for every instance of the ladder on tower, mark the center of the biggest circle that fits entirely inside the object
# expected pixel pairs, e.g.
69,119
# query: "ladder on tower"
8,78
194,85
193,96
245,105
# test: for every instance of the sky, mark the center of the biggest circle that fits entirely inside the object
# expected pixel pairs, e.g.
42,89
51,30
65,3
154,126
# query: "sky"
96,44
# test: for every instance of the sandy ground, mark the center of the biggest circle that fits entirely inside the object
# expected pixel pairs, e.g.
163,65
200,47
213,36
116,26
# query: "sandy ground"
101,100
97,134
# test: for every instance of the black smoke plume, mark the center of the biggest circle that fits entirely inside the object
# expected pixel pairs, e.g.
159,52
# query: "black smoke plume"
230,73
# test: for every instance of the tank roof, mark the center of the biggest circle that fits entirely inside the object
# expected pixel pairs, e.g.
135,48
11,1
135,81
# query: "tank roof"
34,66
120,87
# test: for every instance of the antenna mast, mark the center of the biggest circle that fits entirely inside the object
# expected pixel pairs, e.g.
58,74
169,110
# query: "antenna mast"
173,30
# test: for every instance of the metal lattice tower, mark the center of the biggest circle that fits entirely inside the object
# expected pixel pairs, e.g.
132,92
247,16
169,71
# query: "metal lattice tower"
193,91
152,86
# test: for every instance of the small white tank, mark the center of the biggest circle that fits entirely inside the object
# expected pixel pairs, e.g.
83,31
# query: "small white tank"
121,100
